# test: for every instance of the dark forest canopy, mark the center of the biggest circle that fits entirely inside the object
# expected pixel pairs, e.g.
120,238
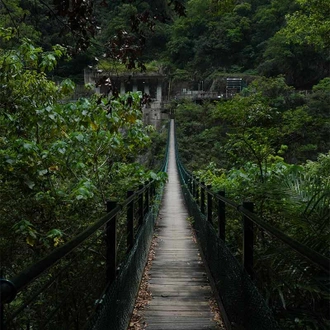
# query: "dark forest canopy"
195,39
114,29
260,37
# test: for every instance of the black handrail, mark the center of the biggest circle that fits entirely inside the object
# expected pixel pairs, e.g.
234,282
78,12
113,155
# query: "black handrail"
303,250
29,274
10,288
138,228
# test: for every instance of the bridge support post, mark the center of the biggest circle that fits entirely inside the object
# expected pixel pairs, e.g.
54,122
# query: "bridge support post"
203,198
111,244
209,205
2,316
152,190
140,205
248,240
146,199
197,190
222,217
130,222
192,186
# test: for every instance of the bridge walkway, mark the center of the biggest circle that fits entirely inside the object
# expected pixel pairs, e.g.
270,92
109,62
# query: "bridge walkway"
178,283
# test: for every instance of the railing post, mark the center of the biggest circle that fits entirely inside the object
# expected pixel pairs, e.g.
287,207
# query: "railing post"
146,199
8,293
130,222
152,193
2,316
140,205
203,198
248,240
197,190
153,189
209,205
2,307
111,244
222,217
192,186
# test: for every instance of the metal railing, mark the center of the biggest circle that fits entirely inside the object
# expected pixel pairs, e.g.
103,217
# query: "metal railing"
203,95
72,278
247,263
90,282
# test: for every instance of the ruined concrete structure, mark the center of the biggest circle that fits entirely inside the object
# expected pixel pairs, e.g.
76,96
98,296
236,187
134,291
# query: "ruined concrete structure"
153,84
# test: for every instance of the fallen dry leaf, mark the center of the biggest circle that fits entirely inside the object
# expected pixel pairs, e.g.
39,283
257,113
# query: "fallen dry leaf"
144,295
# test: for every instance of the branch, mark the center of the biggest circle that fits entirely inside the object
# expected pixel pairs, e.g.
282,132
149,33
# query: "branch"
11,17
256,156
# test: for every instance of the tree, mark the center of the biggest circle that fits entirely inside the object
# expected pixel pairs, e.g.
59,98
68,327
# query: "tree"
82,25
13,19
58,159
241,148
302,64
310,24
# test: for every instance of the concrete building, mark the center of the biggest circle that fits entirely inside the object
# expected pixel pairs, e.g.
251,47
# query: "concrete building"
153,84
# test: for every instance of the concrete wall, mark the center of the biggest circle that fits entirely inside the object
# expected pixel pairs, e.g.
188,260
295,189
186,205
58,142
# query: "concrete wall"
153,84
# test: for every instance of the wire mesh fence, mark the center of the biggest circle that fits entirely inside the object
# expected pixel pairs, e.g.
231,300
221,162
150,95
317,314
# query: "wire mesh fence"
92,279
118,300
63,295
243,304
265,279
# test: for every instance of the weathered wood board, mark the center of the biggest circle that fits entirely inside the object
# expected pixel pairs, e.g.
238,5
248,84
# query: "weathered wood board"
178,282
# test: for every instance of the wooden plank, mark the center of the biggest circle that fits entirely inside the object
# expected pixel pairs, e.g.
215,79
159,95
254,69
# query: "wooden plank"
178,282
178,326
189,306
182,281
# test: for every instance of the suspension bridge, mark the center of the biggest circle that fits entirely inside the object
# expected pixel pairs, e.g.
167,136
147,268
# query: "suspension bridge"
92,281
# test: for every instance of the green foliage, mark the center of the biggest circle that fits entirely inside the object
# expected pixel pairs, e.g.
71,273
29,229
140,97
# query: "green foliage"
284,56
310,24
192,127
250,140
323,85
265,146
59,160
13,23
112,66
263,37
268,37
269,121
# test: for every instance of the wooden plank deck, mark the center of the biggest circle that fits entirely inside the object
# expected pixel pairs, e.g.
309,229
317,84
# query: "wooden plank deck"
178,282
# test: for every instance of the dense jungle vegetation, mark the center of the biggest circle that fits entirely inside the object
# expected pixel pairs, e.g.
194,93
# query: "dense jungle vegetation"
61,160
270,145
